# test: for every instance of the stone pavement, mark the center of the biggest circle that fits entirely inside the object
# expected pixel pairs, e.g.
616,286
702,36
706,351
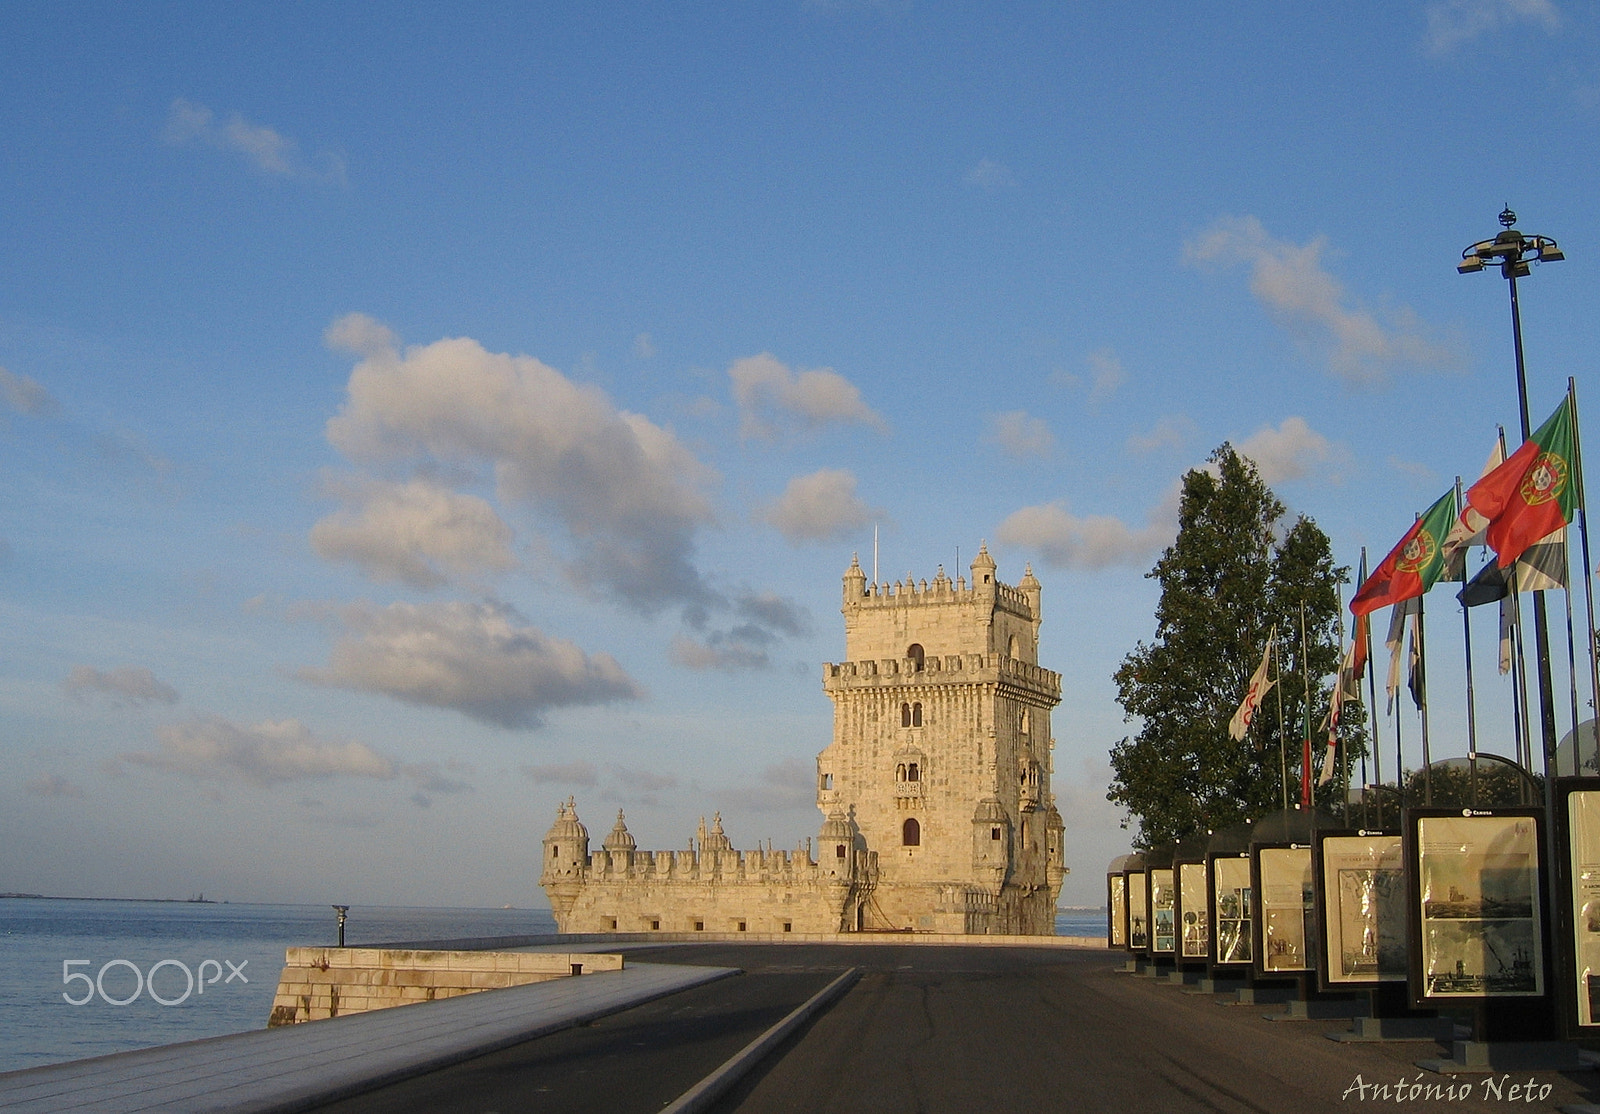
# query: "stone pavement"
301,1066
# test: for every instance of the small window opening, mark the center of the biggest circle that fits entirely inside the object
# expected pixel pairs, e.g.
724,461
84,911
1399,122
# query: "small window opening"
655,925
905,715
914,652
912,773
699,926
1025,723
994,834
555,849
1012,647
838,850
911,833
613,923
827,781
788,926
741,926
900,772
916,714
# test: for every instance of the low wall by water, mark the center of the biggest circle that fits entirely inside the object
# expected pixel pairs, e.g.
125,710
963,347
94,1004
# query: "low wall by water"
319,983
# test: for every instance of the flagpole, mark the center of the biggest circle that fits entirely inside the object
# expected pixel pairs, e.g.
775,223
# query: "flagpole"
1397,708
1283,751
1338,694
1472,703
1588,581
1422,692
1306,798
1572,666
1365,629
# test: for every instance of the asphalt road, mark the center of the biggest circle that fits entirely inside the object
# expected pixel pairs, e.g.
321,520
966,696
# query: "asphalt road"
929,1030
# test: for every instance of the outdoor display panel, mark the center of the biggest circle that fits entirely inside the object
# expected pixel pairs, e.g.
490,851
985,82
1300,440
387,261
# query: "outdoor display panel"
1232,908
1138,913
1578,806
1361,880
1194,922
1163,902
1285,895
1117,910
1475,904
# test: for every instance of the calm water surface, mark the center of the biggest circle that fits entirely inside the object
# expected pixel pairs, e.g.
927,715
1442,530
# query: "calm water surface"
36,936
236,950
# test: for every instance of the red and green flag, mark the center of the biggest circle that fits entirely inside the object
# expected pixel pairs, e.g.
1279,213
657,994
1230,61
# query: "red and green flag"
1531,495
1415,563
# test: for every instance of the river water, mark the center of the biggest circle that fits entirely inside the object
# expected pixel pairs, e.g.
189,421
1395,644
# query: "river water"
86,978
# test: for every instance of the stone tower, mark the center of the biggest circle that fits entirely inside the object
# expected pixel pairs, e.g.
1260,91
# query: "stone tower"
940,760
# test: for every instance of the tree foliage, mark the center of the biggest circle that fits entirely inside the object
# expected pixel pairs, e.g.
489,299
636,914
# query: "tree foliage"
1236,570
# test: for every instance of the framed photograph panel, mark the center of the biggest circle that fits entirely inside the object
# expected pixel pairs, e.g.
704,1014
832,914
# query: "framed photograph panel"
1194,921
1475,903
1285,895
1360,878
1117,910
1232,906
1163,911
1578,820
1138,912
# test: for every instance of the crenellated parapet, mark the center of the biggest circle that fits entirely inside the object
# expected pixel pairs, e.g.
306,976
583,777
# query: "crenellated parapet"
972,669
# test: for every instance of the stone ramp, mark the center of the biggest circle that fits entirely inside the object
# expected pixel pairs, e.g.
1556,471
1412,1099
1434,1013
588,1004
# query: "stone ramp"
301,1066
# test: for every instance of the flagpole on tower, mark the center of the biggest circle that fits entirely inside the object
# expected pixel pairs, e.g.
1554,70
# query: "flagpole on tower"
1283,746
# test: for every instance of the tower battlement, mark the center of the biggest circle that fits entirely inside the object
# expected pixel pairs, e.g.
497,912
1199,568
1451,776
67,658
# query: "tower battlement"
949,669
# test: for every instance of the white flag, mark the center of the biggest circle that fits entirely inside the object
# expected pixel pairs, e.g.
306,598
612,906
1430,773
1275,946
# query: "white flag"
1239,725
1395,641
1470,526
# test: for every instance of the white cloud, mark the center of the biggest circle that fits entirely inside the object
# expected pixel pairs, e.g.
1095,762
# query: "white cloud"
26,396
819,507
1019,435
990,175
129,685
1171,432
643,347
578,773
1065,540
53,785
360,335
729,651
1452,23
1418,472
264,754
1106,375
270,151
627,491
419,533
1292,283
471,658
1289,452
770,395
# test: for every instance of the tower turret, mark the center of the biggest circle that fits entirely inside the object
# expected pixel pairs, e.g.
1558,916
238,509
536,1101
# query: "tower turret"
855,581
566,859
991,843
620,845
983,571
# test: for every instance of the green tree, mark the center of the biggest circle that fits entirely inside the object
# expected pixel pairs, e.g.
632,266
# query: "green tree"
1235,571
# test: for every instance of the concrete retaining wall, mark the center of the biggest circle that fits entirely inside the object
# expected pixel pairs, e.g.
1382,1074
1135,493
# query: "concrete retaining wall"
319,983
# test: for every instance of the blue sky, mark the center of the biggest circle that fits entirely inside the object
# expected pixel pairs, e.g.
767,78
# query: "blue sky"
410,418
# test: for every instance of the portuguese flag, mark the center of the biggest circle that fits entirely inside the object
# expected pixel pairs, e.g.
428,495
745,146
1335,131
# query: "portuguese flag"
1413,565
1531,495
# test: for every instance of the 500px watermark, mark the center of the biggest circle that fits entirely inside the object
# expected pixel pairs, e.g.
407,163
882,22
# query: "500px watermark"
195,981
1421,1089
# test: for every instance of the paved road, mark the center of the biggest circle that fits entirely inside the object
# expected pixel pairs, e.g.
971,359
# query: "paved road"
932,1030
635,1061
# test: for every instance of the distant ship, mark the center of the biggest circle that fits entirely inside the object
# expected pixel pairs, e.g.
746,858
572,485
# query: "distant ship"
200,899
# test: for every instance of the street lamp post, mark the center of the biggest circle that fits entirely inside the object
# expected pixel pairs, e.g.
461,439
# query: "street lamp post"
1514,252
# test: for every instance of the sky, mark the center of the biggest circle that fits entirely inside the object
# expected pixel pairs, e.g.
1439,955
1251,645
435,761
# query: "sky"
409,418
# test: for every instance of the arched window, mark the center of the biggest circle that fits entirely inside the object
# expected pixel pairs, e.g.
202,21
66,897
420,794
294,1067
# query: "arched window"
1024,722
905,715
914,652
1011,649
911,833
912,773
555,849
838,850
916,714
900,772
